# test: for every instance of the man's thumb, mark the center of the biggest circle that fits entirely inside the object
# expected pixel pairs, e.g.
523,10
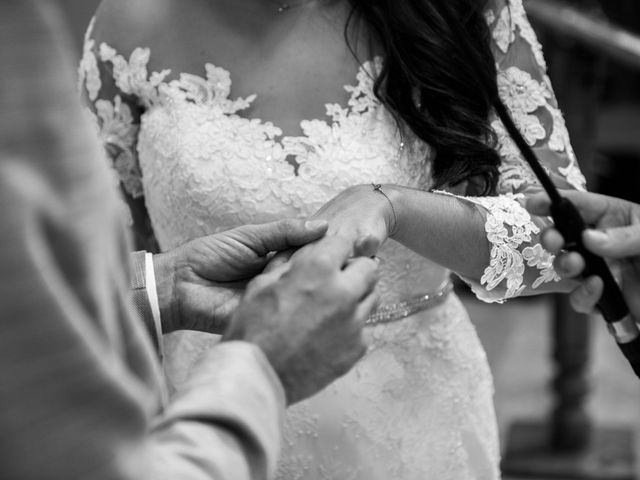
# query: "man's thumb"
618,243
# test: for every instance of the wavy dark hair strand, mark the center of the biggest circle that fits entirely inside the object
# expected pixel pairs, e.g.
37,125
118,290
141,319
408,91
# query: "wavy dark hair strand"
438,78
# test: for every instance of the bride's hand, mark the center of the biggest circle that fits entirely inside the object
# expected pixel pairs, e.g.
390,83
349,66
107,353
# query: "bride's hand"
362,215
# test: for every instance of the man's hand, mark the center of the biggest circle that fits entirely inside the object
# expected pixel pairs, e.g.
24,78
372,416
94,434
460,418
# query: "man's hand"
200,283
307,316
616,237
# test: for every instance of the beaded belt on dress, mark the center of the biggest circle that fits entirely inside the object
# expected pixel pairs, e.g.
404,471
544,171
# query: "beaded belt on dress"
397,311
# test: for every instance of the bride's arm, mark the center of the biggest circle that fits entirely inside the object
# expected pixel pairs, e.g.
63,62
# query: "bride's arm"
515,262
492,242
116,111
519,264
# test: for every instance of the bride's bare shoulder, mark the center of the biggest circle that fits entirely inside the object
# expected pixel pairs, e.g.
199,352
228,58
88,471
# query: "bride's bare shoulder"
128,24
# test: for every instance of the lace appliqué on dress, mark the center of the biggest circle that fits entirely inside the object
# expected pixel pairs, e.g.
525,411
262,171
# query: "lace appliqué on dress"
116,125
118,133
346,126
509,226
526,91
530,101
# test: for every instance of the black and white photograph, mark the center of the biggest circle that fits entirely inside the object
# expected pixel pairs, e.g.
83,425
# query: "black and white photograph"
319,239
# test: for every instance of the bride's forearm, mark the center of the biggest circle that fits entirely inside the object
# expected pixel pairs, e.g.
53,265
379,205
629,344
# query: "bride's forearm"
444,229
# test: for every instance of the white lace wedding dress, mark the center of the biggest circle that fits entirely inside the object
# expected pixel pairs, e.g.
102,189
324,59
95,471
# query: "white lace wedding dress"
419,405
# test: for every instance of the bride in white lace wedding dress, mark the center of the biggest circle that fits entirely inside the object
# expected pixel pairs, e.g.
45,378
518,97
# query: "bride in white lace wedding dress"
190,149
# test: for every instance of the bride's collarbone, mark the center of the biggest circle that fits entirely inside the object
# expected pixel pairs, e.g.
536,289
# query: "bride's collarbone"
291,84
294,73
288,92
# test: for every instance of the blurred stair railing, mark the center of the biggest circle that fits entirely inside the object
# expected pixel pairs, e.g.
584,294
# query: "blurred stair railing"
578,41
597,34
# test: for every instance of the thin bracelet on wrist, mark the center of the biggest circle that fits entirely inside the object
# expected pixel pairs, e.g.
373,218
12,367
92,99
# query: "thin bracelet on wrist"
377,187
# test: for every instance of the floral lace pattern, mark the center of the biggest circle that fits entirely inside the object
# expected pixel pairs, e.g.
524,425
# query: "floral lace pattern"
508,227
529,99
419,404
430,419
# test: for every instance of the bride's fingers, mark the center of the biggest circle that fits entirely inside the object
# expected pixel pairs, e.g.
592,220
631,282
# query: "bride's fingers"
327,253
360,276
267,278
278,260
366,246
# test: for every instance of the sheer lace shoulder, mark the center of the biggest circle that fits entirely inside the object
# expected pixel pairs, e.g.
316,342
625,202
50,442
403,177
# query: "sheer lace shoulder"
518,261
526,89
116,115
120,90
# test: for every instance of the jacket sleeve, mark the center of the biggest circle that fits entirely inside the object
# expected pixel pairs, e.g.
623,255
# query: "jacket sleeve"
80,390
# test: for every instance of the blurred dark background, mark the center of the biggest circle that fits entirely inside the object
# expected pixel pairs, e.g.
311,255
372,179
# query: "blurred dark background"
618,163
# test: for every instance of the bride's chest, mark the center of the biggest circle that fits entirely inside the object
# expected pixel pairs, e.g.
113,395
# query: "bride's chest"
208,153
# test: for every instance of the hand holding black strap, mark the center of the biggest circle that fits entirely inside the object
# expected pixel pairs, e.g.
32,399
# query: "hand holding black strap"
570,224
565,215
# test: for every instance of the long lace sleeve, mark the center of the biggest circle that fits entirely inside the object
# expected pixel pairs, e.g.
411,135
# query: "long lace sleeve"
115,108
518,262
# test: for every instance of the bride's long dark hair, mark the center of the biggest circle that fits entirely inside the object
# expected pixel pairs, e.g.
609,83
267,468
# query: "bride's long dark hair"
436,82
